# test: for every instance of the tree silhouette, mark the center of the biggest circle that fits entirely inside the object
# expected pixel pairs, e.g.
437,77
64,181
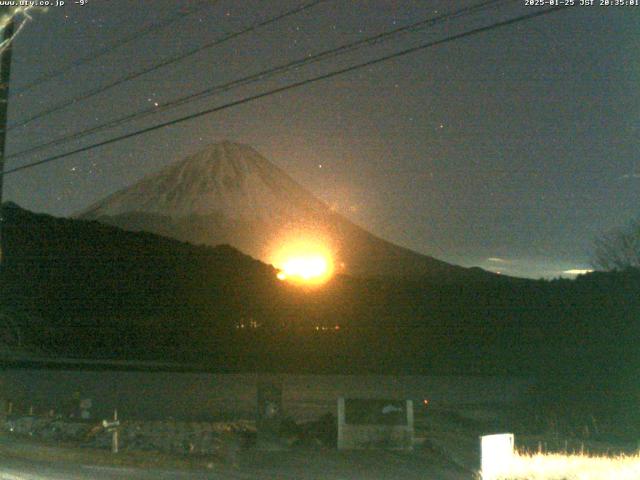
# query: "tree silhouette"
618,249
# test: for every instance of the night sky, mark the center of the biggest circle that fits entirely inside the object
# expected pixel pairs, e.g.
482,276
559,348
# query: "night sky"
510,150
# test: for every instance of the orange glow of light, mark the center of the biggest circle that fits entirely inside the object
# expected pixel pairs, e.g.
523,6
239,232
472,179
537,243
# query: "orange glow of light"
306,268
301,261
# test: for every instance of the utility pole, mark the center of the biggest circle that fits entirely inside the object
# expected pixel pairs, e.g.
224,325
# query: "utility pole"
5,71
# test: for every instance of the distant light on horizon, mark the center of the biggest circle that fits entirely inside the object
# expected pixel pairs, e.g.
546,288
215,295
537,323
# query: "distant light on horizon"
577,271
497,260
535,268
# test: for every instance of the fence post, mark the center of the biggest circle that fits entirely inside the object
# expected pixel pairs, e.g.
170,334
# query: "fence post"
114,440
341,423
410,425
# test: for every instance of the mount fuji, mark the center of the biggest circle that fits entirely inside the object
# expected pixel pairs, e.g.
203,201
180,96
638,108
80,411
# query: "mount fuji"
230,194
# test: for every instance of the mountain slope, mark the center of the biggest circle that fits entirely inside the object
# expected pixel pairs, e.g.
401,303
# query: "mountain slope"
228,193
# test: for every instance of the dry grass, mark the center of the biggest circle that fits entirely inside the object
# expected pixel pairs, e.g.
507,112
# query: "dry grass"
555,466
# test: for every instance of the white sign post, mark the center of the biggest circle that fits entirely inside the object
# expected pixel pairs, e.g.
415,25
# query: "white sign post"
496,455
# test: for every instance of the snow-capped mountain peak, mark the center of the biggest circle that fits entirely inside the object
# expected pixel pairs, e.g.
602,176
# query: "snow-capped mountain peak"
224,178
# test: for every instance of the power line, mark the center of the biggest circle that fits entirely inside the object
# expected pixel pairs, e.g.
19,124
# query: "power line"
164,63
289,87
304,61
92,56
264,74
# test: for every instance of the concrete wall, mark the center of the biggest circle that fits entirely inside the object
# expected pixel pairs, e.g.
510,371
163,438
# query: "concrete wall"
204,396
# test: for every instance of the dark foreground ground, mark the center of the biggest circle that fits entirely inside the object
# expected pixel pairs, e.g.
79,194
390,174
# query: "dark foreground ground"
445,447
24,460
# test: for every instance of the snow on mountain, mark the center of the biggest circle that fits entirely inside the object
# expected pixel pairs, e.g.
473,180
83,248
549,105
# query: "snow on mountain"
227,178
229,193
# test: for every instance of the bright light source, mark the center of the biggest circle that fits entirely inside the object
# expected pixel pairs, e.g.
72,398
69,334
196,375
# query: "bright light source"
306,268
303,261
